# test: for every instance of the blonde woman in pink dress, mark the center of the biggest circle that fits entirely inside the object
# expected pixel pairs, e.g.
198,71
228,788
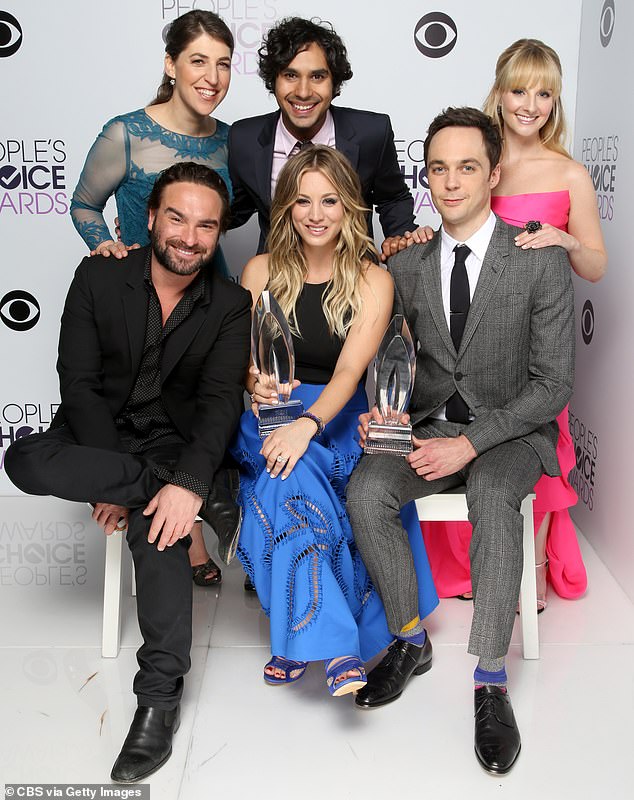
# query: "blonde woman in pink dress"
539,182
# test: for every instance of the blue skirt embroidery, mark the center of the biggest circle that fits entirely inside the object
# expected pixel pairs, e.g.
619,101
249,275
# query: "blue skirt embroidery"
297,545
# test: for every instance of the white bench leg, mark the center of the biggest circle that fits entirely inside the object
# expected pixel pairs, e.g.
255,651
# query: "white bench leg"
112,597
528,588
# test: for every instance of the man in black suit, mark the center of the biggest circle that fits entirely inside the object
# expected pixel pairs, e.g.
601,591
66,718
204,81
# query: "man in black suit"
305,64
152,354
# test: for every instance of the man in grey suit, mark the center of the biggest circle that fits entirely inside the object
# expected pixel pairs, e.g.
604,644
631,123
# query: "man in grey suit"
494,325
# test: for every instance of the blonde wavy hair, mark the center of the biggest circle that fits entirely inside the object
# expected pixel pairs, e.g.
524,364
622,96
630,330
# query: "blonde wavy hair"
527,63
341,301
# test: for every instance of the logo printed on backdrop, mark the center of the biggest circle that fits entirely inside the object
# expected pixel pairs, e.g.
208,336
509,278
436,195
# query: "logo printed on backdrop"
606,23
42,553
22,419
31,177
412,164
435,34
583,476
19,310
248,21
599,155
587,322
10,34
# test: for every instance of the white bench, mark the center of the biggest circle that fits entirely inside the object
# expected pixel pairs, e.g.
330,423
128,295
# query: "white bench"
451,506
112,584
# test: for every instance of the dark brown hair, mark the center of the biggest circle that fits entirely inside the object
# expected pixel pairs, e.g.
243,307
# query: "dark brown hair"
466,117
189,172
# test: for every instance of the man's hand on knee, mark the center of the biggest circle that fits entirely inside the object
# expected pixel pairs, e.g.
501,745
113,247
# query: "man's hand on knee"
108,516
174,510
436,458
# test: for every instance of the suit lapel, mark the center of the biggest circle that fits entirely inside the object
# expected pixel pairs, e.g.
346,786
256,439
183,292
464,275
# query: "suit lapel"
181,337
135,303
493,266
433,290
345,136
264,157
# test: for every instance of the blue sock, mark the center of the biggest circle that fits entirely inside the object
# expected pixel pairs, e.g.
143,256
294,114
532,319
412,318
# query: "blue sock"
484,678
415,638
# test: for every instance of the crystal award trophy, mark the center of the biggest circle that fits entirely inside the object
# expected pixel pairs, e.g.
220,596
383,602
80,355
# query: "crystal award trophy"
272,353
395,367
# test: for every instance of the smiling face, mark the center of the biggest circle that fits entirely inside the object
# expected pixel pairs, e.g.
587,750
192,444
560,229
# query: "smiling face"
184,229
526,111
303,91
318,211
461,180
201,73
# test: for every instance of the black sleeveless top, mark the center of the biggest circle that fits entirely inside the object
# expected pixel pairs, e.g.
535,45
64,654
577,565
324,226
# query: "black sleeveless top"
317,351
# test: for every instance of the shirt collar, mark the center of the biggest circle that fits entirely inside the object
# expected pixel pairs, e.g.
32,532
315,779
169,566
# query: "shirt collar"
478,242
324,135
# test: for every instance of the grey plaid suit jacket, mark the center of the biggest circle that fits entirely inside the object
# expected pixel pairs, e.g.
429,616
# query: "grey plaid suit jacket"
515,365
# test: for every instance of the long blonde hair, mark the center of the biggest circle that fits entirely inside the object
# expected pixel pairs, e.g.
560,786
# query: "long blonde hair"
525,63
288,268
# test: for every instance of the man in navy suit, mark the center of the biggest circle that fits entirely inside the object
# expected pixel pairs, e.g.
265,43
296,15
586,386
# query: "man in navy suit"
304,65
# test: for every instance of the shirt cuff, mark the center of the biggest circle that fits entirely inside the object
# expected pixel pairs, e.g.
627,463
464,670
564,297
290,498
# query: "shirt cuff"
184,480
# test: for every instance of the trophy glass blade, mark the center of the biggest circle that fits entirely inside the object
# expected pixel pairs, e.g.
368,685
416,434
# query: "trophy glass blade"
394,366
272,345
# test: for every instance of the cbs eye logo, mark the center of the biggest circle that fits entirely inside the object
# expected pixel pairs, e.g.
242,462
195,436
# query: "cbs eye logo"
606,23
435,34
587,322
19,310
10,35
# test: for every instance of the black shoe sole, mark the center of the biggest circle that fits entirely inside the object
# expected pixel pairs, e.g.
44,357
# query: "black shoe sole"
369,706
495,770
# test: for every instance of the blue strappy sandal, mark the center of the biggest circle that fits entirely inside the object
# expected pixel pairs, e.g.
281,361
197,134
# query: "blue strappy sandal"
347,685
278,662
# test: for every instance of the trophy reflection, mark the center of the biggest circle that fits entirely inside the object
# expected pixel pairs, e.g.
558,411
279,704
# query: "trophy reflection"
395,367
273,354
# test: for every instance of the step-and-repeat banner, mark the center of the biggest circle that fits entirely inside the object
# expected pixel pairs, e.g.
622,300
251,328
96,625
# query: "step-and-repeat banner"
599,412
69,66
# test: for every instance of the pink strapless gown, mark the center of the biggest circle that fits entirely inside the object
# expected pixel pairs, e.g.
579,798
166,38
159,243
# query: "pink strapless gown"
447,543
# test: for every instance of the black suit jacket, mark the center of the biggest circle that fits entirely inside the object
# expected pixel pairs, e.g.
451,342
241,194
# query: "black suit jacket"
203,367
365,138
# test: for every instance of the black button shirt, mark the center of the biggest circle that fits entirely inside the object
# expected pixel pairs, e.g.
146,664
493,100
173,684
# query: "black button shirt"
144,421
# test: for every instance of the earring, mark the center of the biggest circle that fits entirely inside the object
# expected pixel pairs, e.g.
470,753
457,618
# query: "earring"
172,81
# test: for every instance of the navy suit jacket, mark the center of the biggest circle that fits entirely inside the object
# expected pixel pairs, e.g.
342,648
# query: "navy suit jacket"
202,369
364,137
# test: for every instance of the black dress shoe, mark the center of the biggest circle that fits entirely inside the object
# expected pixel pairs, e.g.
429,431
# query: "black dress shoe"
387,680
148,744
497,738
223,513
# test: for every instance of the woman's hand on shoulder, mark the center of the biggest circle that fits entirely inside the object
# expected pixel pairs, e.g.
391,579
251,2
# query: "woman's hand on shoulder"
546,236
111,248
394,244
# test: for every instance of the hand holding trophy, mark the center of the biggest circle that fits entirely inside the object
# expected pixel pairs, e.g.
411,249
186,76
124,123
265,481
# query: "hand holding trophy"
272,353
395,368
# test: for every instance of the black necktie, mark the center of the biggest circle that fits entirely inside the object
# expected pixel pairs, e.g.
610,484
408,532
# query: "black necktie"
459,300
299,146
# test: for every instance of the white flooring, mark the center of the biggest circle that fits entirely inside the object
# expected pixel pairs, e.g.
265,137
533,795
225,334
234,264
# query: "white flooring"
66,711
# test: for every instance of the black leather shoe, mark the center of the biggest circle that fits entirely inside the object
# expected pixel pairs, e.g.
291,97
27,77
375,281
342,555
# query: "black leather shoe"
148,744
387,680
223,513
497,738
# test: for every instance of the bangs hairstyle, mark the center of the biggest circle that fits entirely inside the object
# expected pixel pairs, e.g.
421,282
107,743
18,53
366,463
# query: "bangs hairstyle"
341,300
529,63
181,33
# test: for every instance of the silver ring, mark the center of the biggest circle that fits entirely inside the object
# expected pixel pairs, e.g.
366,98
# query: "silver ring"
280,458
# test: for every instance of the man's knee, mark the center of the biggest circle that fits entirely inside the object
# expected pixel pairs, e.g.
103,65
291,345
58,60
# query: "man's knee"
370,481
19,464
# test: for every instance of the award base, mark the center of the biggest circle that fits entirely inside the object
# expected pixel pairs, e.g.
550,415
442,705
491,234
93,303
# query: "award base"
273,417
395,440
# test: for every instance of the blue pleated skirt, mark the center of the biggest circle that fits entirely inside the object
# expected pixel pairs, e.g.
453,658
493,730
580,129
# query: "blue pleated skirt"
297,546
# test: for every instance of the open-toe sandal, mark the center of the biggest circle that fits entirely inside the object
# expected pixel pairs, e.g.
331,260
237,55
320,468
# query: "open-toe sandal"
201,571
339,666
278,662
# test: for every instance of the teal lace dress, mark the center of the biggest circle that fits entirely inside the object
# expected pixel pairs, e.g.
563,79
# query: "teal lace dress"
125,160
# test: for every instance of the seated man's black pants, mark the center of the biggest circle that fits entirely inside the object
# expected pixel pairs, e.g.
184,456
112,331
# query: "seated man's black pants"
52,463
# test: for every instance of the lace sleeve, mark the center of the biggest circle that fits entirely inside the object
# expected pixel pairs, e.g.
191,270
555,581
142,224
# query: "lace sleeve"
104,170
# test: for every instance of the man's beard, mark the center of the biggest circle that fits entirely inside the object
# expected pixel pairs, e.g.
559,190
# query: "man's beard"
167,258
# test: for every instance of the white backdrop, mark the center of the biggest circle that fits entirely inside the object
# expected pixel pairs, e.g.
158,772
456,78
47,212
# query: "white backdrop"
602,433
77,63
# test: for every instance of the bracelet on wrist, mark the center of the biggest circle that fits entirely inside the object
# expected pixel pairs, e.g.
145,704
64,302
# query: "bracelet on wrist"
317,420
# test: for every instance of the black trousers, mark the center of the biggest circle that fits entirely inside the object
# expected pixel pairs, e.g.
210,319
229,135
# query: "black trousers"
52,463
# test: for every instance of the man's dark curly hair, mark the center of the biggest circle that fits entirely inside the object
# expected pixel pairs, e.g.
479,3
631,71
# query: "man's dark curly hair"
290,36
